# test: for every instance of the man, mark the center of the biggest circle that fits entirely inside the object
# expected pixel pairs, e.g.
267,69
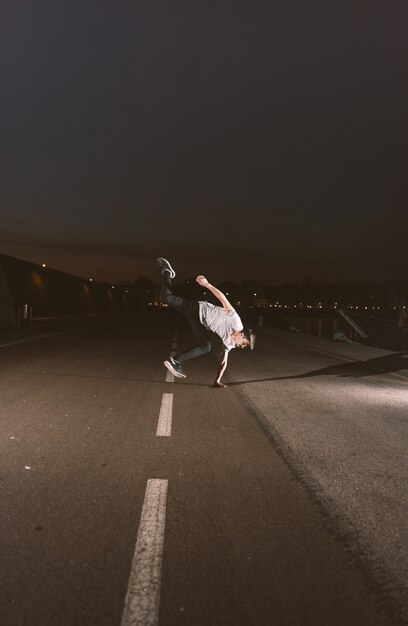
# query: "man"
202,317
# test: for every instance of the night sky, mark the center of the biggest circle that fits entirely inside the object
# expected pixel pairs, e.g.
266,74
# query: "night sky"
264,139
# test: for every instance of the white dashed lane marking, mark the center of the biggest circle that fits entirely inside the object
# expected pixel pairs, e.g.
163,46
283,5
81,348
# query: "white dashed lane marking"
143,593
169,375
165,416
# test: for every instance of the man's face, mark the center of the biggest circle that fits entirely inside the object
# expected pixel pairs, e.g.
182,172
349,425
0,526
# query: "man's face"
241,341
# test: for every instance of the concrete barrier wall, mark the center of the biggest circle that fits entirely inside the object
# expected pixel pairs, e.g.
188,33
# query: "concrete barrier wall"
7,309
50,292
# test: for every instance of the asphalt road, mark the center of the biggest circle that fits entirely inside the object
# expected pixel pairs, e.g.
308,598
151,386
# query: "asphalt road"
286,494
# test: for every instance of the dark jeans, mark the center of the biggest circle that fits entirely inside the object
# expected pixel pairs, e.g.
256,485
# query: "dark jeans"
188,308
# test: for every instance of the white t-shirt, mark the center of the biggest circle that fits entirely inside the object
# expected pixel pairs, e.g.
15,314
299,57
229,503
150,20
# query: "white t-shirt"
216,318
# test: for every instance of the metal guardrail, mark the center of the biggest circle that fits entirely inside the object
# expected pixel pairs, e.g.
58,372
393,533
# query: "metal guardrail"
353,323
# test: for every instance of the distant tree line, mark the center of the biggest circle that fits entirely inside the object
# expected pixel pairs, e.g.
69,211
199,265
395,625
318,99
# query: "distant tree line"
145,292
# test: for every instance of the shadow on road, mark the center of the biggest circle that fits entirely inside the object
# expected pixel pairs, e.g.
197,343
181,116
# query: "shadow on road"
43,374
357,369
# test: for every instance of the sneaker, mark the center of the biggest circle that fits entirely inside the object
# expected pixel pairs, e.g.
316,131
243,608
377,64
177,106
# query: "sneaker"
165,266
174,367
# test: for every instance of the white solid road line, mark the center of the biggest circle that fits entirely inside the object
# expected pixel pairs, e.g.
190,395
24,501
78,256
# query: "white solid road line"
14,342
143,593
165,416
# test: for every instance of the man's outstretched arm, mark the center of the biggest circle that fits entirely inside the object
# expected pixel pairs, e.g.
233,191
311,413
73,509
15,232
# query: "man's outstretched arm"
221,370
217,293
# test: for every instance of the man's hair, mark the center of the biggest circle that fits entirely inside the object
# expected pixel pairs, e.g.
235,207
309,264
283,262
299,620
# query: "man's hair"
250,336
